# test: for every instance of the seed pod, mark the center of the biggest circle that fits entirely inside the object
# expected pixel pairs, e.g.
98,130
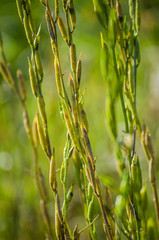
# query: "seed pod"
112,28
137,17
4,73
62,28
77,165
27,29
109,203
148,143
41,134
73,57
120,204
21,85
41,107
49,25
144,199
119,11
70,128
20,9
38,64
35,132
32,79
31,22
92,175
26,123
84,120
62,173
52,174
69,195
56,9
58,227
151,171
58,208
131,9
90,192
90,210
72,14
78,72
87,144
58,76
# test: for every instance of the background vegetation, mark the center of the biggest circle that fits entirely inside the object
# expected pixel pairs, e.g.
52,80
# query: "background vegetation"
19,201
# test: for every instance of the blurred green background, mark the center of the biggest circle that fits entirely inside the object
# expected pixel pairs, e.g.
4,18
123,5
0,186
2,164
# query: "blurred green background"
20,216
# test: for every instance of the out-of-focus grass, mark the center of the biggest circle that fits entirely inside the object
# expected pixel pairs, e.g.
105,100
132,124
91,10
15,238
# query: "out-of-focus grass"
19,202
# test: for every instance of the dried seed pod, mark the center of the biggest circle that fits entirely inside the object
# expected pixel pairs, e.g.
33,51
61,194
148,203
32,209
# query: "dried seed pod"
39,64
21,85
52,174
32,79
41,107
78,72
27,29
73,57
20,9
41,135
35,132
56,9
62,28
58,76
